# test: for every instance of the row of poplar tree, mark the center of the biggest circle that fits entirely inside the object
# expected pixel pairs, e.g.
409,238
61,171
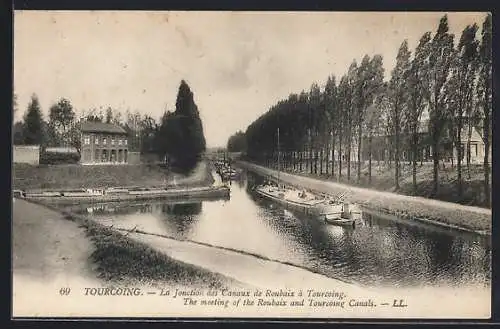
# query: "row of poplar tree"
451,84
177,136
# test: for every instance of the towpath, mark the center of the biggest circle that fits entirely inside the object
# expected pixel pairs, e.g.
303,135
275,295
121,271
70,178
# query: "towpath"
440,212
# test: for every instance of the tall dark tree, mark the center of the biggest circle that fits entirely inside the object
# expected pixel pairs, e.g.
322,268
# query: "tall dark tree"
334,119
398,95
315,113
440,61
418,86
237,142
17,132
484,95
183,132
350,111
459,93
368,87
33,123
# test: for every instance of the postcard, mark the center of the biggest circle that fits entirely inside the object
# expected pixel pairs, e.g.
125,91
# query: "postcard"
317,165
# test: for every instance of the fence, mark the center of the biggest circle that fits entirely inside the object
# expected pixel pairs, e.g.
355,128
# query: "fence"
26,154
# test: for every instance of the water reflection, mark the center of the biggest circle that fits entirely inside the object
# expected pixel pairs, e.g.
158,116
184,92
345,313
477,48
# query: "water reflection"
181,217
380,251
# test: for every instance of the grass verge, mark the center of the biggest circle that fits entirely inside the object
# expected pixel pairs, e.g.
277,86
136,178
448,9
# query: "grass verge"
74,176
121,260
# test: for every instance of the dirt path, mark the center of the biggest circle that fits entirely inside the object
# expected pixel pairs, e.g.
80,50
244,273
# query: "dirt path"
45,245
48,253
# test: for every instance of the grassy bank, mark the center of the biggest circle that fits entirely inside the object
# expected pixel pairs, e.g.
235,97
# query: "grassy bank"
122,260
383,180
28,177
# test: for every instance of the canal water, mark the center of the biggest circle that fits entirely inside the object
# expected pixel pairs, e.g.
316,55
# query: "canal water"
380,251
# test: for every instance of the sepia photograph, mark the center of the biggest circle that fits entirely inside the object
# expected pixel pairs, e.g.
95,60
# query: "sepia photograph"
277,165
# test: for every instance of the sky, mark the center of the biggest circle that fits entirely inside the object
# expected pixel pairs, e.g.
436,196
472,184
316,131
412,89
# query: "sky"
237,64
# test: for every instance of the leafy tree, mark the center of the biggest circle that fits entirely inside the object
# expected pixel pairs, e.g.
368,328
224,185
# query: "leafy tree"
17,129
484,95
374,116
350,111
459,92
148,132
237,142
94,116
344,112
109,115
75,135
33,121
398,96
334,119
418,87
315,116
61,118
440,61
117,118
369,85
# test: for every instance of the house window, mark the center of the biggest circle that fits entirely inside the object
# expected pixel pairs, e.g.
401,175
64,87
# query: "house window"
125,142
119,142
87,140
104,141
96,140
112,142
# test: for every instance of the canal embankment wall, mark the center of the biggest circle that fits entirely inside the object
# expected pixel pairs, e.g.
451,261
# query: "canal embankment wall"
474,219
207,193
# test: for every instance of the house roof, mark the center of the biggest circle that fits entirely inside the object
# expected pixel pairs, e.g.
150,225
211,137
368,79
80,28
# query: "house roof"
101,127
475,135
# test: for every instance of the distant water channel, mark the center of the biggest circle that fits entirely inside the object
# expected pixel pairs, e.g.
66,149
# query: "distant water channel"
380,251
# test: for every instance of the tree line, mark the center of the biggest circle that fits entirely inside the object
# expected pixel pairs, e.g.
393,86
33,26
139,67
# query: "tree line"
450,84
178,135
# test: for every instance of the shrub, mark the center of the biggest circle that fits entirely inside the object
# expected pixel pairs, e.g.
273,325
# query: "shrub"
59,158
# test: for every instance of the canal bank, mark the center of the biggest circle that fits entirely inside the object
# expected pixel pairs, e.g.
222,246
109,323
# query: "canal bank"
201,183
435,212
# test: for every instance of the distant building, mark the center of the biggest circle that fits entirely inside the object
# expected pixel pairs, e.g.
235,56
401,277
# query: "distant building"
103,143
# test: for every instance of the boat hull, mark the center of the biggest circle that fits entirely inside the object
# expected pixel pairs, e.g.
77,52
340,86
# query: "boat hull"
333,214
320,211
307,209
345,222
